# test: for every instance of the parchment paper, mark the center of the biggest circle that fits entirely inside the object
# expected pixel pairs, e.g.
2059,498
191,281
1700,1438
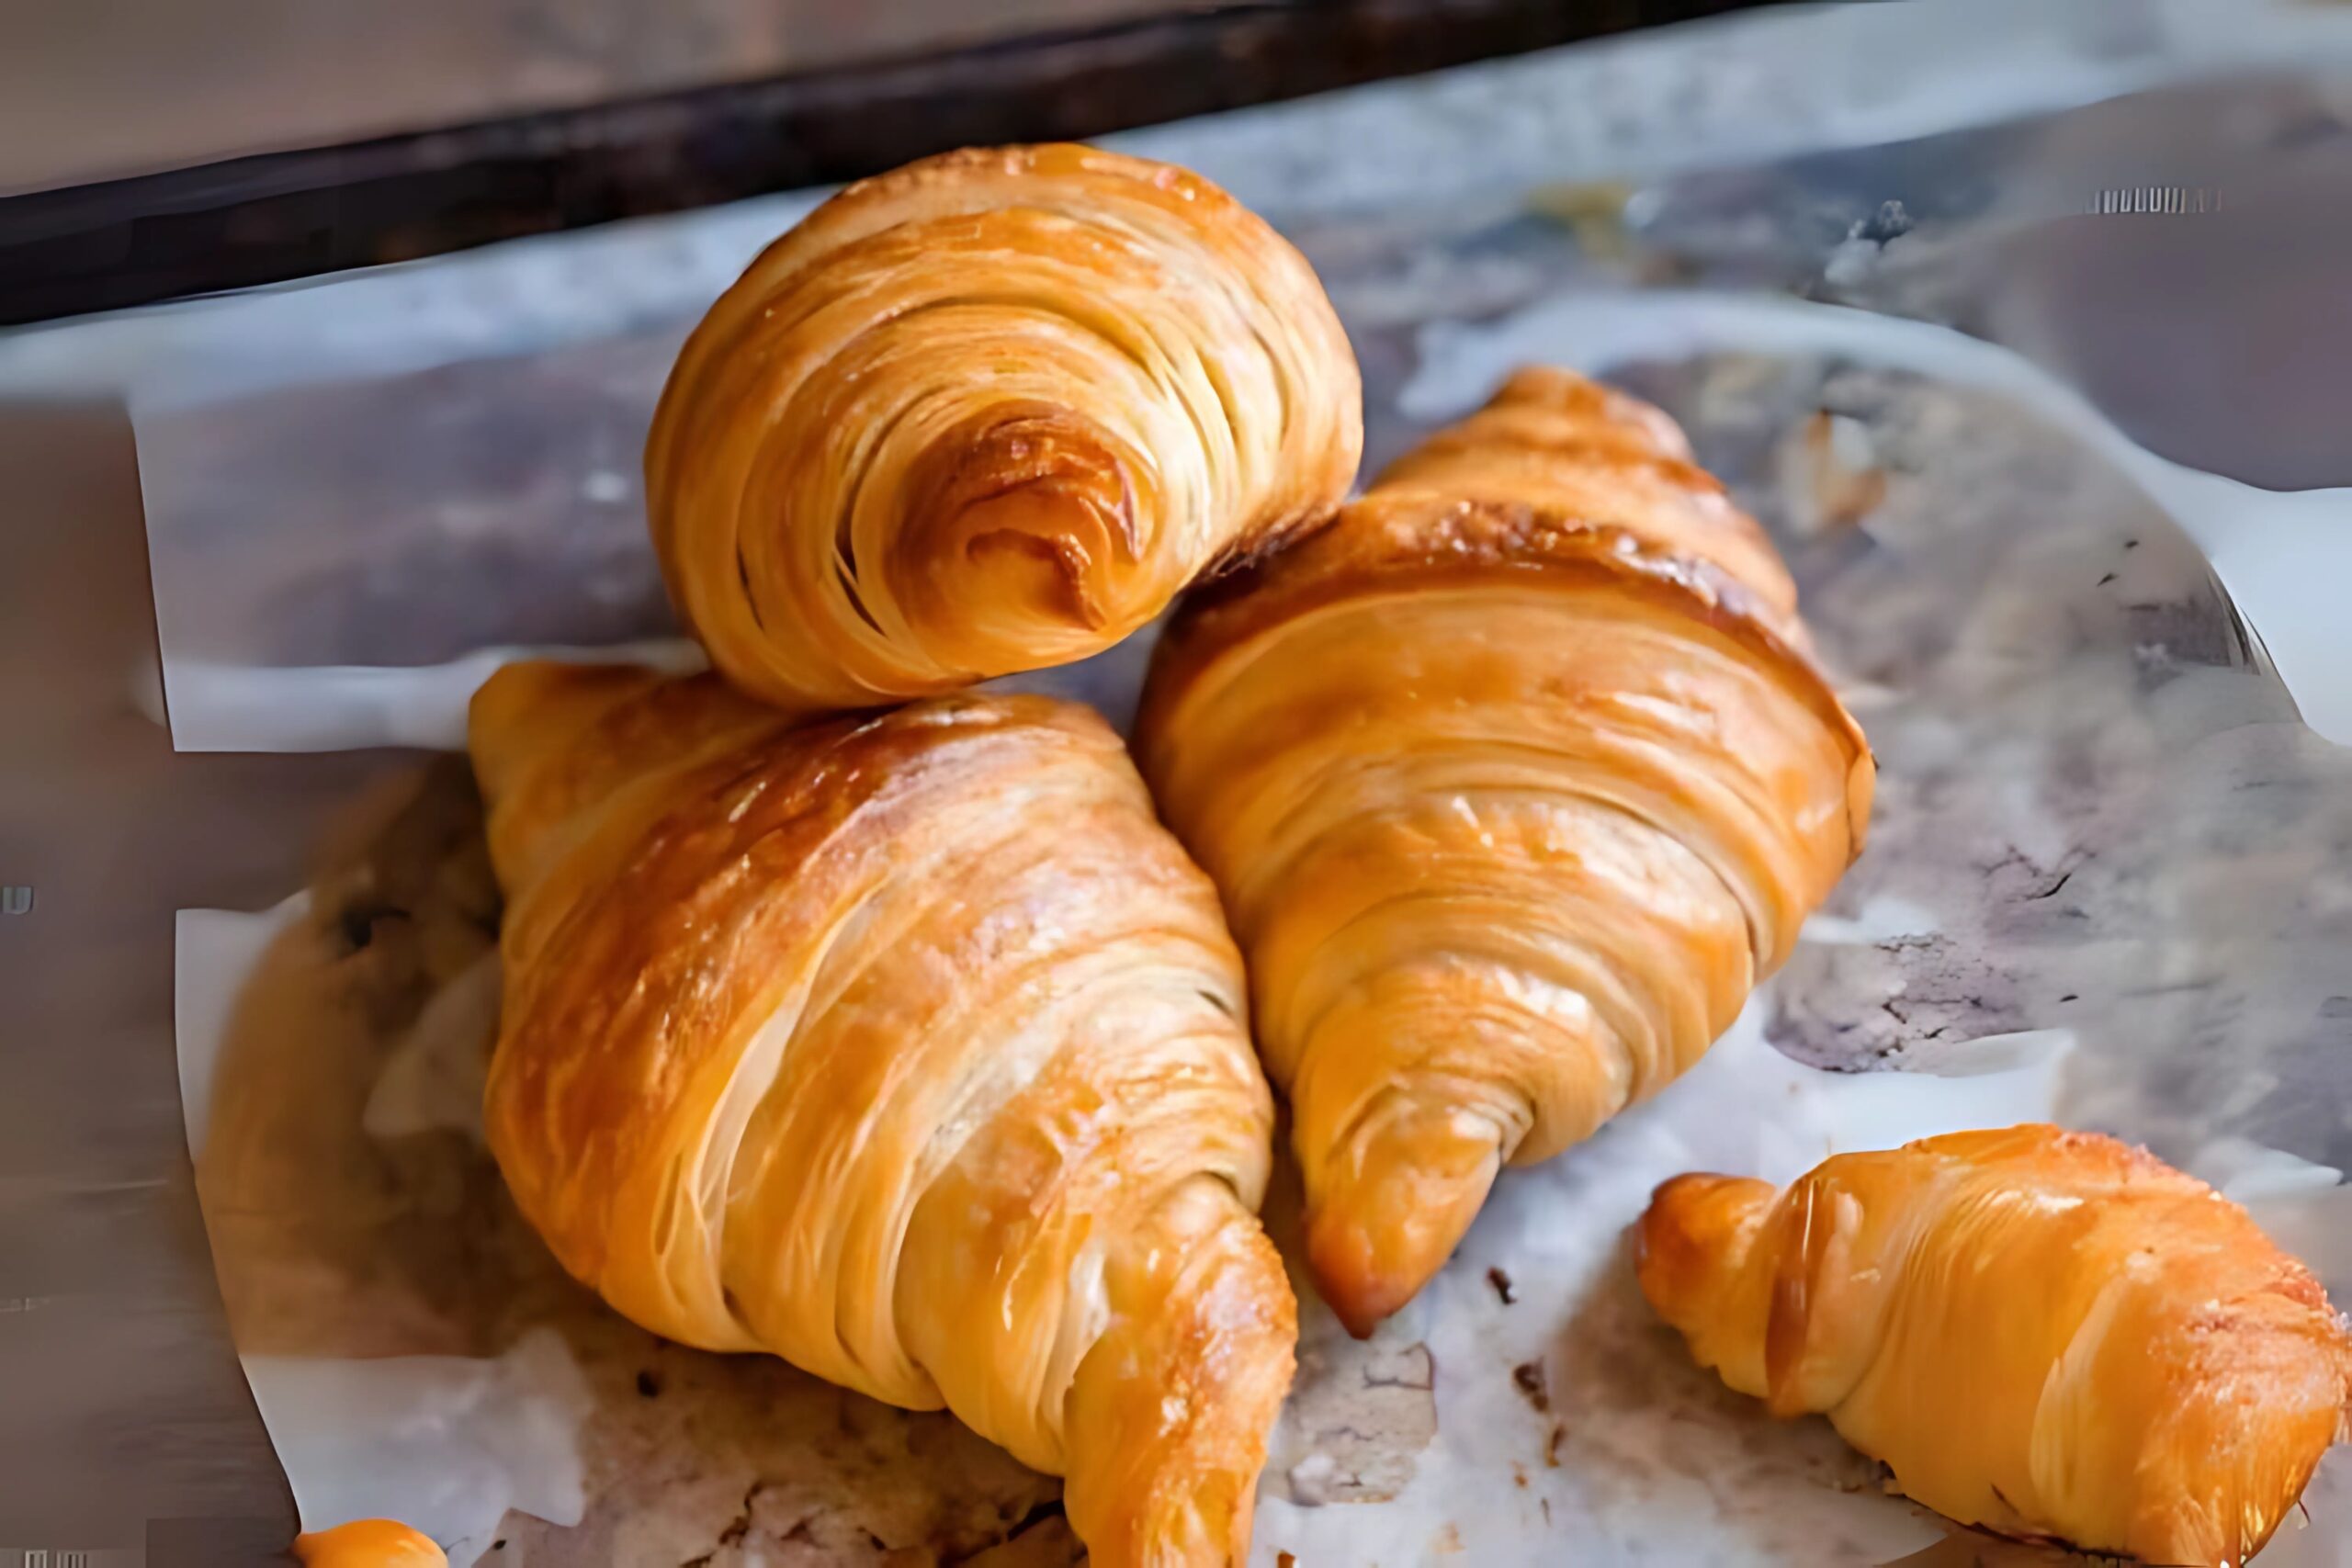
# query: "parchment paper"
2110,879
2107,885
414,1350
415,1354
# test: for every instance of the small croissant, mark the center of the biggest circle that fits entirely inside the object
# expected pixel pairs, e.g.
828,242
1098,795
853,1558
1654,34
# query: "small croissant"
2047,1334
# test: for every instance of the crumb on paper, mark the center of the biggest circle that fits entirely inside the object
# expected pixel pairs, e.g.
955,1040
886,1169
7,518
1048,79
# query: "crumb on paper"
1528,1377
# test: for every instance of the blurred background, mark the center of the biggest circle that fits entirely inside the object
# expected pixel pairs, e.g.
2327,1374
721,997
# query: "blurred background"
132,86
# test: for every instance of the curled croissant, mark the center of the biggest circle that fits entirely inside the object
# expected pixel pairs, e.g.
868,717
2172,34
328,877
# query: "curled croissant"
906,1048
2045,1333
1510,804
989,412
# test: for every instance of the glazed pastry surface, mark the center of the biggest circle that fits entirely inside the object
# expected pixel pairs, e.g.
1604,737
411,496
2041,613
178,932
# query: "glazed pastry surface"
369,1543
908,1048
1573,450
1514,779
2045,1333
989,412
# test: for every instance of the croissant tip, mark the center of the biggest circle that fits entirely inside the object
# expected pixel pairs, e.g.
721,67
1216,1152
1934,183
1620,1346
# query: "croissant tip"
1360,1305
1358,1312
1362,1289
1684,1238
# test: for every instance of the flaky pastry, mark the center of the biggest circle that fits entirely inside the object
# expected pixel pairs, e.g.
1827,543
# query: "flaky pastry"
986,413
908,1048
2047,1334
1515,779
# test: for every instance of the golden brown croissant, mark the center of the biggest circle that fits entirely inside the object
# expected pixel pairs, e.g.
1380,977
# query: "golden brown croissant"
907,1048
1514,788
2045,1333
986,413
369,1543
1576,450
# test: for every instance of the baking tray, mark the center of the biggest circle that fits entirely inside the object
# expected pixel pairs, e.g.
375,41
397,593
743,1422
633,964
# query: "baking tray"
2110,875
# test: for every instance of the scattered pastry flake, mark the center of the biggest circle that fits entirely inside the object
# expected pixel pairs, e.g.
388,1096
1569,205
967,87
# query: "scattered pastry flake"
1529,1376
1834,478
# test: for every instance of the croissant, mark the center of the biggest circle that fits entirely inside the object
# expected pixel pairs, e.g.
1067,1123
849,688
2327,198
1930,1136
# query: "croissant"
986,413
1579,451
908,1048
1514,780
2047,1334
369,1543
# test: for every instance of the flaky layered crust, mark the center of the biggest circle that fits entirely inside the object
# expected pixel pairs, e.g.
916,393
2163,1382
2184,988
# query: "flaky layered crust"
991,413
1572,449
1514,780
907,1048
2047,1334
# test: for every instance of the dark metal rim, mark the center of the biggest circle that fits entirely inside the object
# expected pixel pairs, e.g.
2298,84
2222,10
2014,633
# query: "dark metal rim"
272,217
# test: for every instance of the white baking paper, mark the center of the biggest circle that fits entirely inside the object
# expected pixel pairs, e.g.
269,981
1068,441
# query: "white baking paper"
2279,553
447,1444
2108,884
1683,1473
